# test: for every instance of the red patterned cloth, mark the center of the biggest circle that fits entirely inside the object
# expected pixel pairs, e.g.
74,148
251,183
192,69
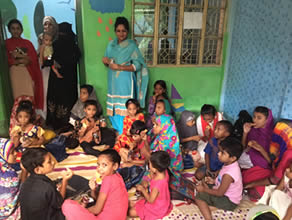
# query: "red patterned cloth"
124,140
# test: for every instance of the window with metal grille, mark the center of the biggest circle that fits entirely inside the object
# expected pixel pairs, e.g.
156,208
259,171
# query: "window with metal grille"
180,32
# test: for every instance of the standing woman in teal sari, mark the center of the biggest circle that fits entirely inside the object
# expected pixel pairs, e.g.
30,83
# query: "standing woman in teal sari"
127,74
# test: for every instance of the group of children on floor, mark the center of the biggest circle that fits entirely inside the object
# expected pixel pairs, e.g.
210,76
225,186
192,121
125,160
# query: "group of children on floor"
222,168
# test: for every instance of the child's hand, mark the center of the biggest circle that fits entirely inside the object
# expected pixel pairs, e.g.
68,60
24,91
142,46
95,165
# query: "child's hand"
92,183
255,145
59,76
249,185
143,135
196,138
145,184
25,143
200,187
209,180
207,131
66,175
154,97
140,188
132,146
247,126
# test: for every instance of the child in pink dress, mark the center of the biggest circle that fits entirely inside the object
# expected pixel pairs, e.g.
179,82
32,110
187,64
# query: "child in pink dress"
155,204
112,199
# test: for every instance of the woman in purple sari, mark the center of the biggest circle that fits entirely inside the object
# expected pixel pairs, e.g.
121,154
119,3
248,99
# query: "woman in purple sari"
256,139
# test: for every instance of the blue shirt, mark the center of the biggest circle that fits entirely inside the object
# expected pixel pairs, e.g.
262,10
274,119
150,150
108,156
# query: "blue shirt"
212,150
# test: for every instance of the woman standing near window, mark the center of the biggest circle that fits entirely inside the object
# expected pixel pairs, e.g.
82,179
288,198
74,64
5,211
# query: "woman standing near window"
127,74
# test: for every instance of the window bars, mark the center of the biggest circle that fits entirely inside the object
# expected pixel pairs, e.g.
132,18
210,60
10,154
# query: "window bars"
180,32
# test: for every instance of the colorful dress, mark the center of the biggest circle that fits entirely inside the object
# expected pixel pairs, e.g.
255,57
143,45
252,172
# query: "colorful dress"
13,118
9,184
123,85
31,133
124,140
168,140
161,207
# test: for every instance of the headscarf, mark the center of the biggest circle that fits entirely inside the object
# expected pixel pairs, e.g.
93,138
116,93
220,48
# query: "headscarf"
167,107
52,20
185,131
66,51
9,181
78,108
168,140
206,124
263,137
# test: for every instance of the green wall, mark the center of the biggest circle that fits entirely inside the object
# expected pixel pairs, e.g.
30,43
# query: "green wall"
197,85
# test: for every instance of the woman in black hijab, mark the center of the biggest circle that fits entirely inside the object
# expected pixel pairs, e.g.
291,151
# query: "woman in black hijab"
62,87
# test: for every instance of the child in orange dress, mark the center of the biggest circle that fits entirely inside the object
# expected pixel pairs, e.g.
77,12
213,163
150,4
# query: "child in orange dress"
125,140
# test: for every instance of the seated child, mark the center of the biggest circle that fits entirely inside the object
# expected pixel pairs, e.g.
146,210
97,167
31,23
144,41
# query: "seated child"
10,181
256,139
207,121
87,92
39,197
125,139
25,133
138,153
187,131
91,134
112,199
156,203
162,107
160,89
227,192
206,124
213,165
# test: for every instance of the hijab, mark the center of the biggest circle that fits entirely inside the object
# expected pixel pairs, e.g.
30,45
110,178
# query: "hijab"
52,21
263,137
168,140
78,109
9,187
185,131
66,51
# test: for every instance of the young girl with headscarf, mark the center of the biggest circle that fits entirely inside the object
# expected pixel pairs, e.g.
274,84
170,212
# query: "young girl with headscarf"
256,141
166,139
87,92
187,131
